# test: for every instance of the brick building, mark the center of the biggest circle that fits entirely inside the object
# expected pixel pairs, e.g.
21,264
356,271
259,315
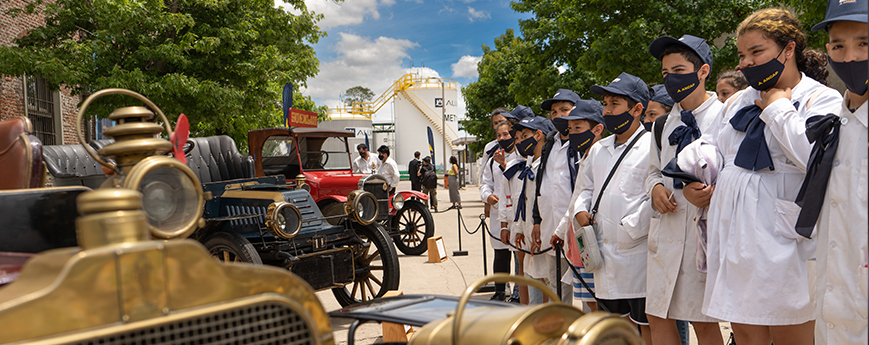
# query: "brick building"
51,112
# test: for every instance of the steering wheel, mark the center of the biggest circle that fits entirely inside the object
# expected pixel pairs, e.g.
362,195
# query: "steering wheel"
324,157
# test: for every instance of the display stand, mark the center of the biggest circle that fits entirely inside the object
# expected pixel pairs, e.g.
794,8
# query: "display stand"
437,252
394,332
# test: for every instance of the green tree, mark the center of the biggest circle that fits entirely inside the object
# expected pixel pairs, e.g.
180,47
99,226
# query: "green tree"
218,61
357,94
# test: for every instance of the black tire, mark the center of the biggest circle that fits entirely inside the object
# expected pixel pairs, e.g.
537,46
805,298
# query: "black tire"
415,226
377,268
231,247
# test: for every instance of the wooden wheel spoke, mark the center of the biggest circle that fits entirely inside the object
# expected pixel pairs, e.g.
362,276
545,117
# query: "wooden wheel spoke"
376,281
370,288
225,256
375,268
373,256
355,288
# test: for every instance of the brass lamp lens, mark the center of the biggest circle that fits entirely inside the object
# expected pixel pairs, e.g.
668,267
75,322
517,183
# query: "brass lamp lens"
169,198
290,219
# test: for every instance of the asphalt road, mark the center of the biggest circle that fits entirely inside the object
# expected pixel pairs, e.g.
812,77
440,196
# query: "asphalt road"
447,278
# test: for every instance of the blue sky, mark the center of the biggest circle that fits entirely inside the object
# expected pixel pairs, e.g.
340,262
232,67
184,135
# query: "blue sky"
373,42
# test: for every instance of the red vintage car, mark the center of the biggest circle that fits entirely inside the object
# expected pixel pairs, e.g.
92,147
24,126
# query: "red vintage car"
320,161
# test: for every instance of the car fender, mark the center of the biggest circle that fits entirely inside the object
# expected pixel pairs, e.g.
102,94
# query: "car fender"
338,198
410,194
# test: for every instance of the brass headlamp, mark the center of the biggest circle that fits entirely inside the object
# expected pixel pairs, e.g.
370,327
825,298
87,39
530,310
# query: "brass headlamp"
172,197
361,206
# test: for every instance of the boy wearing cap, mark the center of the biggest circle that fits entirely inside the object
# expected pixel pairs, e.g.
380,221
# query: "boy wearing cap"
585,124
685,65
840,183
620,228
660,104
519,187
559,163
490,184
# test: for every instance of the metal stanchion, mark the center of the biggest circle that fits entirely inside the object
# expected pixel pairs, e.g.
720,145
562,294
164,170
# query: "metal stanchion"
485,229
459,252
558,271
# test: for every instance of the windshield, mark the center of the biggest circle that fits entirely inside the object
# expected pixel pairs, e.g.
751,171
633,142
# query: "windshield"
324,153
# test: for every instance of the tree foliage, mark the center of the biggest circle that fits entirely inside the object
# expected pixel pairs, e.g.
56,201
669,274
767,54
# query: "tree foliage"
357,94
218,61
577,44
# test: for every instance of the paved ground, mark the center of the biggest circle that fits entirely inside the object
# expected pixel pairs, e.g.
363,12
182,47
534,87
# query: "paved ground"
447,278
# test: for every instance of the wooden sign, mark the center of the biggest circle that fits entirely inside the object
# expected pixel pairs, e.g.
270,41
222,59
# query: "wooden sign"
393,332
300,118
437,252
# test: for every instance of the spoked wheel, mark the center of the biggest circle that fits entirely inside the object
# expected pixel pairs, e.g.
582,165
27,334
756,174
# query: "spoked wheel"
231,247
415,225
377,268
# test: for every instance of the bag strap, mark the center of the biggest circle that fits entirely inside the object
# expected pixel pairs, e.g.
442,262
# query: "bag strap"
613,171
658,127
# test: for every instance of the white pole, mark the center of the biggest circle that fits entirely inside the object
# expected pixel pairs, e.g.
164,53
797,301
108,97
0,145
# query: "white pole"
444,123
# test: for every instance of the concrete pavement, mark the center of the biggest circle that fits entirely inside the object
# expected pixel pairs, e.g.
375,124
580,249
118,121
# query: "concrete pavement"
447,278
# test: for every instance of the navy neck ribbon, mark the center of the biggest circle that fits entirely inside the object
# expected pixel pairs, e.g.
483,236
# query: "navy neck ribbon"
824,132
684,135
753,153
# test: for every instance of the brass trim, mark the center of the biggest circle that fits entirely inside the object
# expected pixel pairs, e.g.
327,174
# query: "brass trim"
108,200
121,327
253,194
138,173
495,278
352,203
98,94
239,185
272,213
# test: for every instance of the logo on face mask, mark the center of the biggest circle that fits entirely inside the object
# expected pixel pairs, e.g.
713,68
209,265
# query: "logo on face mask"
581,141
762,77
618,124
680,86
526,147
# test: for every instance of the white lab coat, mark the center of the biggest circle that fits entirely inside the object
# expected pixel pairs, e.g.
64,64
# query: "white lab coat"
389,170
757,263
555,192
366,166
510,191
491,184
842,239
567,218
671,264
622,217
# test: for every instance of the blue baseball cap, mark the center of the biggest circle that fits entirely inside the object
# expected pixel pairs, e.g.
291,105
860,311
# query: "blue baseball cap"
519,113
626,85
844,10
535,123
696,44
562,95
659,94
590,110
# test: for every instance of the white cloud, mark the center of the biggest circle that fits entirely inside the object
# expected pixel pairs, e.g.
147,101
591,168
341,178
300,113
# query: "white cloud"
474,15
374,64
466,66
351,12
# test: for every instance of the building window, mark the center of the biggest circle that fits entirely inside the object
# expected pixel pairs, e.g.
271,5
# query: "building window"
41,109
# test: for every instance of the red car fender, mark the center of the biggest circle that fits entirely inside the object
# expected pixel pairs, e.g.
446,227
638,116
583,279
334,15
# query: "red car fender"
338,198
409,194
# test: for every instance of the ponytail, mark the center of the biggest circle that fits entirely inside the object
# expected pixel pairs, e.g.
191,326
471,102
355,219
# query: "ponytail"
813,64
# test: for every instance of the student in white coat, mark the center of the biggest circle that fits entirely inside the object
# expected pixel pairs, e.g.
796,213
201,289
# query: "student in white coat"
559,163
519,188
842,220
757,275
674,286
490,187
585,127
620,283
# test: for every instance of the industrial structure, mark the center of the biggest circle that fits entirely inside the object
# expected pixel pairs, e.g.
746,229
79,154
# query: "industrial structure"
418,102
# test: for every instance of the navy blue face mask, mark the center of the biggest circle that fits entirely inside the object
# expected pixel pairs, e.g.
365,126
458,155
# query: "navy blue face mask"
618,124
648,125
581,141
562,126
763,77
526,147
680,86
855,74
507,144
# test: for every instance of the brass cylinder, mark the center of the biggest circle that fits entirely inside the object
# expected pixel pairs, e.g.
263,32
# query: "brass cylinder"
111,216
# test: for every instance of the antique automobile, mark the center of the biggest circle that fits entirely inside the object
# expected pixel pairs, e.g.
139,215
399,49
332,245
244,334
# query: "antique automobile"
265,220
129,276
320,161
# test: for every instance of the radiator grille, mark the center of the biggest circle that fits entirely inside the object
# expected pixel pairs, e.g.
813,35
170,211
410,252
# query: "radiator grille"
267,323
258,212
374,185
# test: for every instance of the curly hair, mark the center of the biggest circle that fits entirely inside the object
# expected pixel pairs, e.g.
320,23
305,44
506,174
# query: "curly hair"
781,26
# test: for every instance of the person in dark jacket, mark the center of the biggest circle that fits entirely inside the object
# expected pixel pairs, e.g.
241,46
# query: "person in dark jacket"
412,169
